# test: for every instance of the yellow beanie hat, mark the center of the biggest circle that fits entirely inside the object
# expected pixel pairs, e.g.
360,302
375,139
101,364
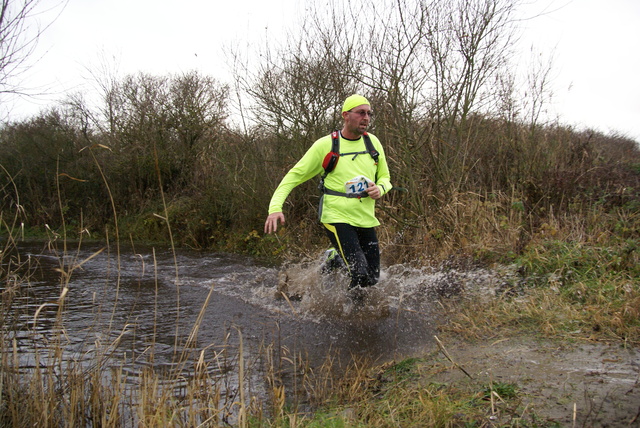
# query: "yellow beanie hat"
354,101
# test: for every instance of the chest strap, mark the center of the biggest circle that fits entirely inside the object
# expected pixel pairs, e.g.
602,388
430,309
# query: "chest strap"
326,191
334,155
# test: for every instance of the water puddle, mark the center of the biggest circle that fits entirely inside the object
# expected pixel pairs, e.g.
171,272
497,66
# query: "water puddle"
147,305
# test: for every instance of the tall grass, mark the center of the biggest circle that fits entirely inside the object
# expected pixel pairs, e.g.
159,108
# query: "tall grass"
556,205
47,381
577,277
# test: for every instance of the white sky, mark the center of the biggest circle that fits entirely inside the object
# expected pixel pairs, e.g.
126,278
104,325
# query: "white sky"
595,45
596,64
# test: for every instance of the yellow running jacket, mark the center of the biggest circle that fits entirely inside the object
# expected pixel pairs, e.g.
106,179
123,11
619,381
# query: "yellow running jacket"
339,209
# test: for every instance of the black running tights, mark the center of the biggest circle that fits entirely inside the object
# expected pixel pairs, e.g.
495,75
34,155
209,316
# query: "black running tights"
359,248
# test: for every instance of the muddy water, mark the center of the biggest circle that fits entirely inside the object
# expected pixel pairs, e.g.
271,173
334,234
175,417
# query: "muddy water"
142,303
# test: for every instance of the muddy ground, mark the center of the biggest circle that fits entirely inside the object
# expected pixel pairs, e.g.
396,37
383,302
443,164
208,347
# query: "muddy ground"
579,384
570,384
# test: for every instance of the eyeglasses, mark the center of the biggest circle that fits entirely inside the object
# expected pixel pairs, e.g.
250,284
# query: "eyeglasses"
362,113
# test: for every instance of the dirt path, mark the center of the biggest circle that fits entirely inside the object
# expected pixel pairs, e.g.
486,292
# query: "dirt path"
581,384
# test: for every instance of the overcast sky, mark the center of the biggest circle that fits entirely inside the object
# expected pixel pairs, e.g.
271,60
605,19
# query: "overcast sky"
595,47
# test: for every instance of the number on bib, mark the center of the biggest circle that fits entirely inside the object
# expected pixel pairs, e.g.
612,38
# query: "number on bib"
356,185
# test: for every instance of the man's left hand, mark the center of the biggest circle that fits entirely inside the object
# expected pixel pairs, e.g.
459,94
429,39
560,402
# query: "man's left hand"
374,191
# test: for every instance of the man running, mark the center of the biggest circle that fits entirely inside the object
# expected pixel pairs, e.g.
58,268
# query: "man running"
351,183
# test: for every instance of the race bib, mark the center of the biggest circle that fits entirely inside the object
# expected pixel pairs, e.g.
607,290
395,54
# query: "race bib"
357,185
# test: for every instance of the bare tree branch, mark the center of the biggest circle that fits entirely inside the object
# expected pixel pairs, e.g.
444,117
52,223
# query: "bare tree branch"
19,36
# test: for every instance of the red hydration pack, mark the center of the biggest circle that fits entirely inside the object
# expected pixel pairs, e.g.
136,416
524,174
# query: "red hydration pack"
331,159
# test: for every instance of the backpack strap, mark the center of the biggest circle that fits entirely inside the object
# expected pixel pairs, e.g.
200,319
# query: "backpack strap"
335,141
369,145
331,160
343,194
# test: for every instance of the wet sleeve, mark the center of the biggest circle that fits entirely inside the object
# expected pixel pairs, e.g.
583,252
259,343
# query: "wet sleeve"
307,167
383,180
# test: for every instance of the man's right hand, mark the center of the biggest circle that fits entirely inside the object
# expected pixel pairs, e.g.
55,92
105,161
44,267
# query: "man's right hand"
271,225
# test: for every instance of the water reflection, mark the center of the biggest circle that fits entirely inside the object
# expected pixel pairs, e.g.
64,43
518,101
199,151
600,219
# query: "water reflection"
141,305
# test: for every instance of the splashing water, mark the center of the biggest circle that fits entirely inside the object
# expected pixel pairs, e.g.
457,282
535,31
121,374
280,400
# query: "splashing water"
293,304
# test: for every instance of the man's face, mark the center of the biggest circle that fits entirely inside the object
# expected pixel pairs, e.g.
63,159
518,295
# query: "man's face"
357,119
